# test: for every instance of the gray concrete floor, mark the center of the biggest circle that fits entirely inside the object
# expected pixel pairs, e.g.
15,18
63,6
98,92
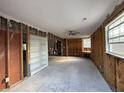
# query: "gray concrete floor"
65,74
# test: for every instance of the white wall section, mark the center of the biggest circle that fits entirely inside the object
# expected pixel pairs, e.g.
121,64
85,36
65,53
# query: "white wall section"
38,53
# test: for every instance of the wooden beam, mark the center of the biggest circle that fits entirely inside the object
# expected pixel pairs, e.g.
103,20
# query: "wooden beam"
22,74
8,58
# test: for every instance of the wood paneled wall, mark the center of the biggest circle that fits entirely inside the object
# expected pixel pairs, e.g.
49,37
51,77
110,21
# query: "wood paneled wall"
13,41
112,67
97,45
3,53
73,47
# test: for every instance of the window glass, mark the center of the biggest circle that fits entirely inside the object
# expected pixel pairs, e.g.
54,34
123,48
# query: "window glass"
115,36
121,39
110,34
87,43
122,29
117,49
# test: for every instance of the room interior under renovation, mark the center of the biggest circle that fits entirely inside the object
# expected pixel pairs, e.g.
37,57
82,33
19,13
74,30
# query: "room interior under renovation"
61,45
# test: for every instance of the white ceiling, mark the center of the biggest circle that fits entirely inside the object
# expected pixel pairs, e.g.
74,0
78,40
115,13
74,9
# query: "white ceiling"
60,16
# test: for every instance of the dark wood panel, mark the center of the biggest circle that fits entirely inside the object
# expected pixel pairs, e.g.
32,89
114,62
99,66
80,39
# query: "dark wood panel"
111,71
97,48
2,59
74,47
120,75
15,57
110,66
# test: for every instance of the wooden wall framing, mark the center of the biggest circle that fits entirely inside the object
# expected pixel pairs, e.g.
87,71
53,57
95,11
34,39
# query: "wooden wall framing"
3,53
17,28
34,31
52,43
111,67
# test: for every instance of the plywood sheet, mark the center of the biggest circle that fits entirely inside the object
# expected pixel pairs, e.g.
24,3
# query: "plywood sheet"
2,59
15,57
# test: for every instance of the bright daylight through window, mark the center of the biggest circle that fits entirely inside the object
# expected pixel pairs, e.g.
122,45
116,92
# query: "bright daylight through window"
87,43
115,36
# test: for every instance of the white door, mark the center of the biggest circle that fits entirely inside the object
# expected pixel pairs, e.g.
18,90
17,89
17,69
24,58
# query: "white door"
38,53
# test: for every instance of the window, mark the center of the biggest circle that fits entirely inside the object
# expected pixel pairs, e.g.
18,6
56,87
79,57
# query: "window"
115,36
87,43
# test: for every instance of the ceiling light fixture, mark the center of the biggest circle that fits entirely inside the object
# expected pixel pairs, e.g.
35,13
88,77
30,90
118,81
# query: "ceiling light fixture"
84,19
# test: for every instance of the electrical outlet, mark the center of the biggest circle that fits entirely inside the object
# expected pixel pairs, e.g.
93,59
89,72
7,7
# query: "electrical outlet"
7,79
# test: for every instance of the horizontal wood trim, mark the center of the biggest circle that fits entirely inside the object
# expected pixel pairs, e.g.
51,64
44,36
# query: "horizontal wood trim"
34,31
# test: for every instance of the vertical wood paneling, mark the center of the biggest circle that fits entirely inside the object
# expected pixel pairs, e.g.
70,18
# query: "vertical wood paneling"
15,57
120,75
11,63
74,47
111,66
97,48
15,52
2,59
111,71
3,52
21,50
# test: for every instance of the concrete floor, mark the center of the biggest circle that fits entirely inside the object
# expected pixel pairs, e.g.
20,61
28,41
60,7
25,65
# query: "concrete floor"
65,74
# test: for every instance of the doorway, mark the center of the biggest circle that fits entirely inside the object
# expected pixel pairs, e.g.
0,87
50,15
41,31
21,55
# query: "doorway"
59,48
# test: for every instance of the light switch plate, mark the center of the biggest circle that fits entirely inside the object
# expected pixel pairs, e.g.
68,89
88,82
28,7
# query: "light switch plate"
7,79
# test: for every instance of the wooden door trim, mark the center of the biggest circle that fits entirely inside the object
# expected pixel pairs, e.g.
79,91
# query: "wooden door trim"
21,51
8,59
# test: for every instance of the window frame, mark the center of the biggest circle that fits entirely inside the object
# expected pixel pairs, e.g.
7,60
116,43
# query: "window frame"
108,38
88,42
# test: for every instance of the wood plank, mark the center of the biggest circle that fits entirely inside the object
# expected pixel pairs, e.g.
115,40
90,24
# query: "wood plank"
120,75
2,59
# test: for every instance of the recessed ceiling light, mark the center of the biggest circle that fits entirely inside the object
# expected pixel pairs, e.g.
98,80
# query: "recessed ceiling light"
84,19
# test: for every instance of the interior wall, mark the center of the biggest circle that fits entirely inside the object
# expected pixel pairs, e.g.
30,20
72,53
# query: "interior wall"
53,50
3,52
97,44
73,47
13,37
12,57
15,52
112,67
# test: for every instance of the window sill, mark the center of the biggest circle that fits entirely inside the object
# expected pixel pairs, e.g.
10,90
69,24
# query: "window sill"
115,55
88,52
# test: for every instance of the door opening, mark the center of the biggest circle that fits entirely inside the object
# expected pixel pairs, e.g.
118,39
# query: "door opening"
59,48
